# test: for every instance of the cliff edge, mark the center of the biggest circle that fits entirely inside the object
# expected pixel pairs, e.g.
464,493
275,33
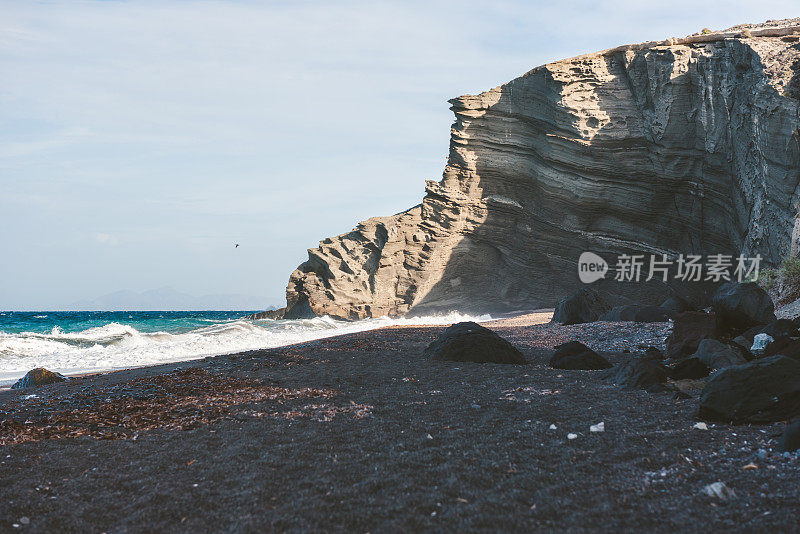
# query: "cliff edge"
680,146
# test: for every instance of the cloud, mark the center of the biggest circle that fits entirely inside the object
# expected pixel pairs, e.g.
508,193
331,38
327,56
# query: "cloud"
106,239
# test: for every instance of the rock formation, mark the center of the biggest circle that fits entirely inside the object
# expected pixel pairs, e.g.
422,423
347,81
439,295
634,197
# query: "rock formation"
680,146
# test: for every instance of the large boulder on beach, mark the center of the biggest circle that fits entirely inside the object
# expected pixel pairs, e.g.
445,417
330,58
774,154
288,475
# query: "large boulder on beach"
742,305
780,328
38,377
639,314
784,346
575,355
790,439
644,372
675,305
716,354
688,330
688,369
761,391
471,342
584,306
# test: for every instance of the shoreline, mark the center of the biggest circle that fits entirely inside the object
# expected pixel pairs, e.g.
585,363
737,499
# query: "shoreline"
522,319
360,432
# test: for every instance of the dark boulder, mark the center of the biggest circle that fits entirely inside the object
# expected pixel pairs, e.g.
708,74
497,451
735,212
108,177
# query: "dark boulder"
38,377
749,334
675,305
639,373
688,369
583,306
780,328
269,314
716,354
761,391
471,342
784,346
654,352
640,314
688,330
790,439
742,305
577,356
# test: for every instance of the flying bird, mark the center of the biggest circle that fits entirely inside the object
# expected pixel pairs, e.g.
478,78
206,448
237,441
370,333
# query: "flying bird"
236,245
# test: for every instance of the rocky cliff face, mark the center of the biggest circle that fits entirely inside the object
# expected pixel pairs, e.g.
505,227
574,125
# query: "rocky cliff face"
683,146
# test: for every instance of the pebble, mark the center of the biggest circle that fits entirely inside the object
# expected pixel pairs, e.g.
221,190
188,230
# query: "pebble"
572,436
719,491
599,427
553,427
700,426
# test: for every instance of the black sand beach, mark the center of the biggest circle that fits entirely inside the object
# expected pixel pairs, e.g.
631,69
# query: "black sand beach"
360,433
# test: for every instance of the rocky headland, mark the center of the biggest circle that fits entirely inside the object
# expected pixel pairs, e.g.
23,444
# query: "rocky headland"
688,145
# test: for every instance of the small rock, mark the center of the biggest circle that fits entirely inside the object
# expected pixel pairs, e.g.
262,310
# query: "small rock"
760,343
716,354
700,426
575,355
572,436
688,369
553,427
638,373
718,490
688,330
790,439
599,427
38,377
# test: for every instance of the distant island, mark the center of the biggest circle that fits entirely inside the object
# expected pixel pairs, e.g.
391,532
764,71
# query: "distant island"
166,299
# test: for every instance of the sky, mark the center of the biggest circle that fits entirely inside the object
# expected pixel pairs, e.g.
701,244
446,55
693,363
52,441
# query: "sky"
140,140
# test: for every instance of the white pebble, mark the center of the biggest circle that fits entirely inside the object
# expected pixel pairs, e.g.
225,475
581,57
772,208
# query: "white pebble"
700,426
572,436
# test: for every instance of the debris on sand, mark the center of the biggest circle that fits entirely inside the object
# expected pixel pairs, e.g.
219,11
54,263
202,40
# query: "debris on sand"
718,490
599,427
179,400
572,436
700,426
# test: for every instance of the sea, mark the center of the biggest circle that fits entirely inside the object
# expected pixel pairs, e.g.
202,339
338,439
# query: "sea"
93,341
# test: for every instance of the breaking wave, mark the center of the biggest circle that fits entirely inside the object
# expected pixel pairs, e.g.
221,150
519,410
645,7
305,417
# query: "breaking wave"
116,345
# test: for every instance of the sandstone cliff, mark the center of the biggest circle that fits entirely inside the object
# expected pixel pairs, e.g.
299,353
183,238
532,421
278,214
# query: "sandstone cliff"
682,146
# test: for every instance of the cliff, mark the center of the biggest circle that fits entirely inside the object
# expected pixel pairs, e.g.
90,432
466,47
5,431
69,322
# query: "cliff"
681,146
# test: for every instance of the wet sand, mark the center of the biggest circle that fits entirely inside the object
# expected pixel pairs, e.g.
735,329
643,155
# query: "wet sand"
360,433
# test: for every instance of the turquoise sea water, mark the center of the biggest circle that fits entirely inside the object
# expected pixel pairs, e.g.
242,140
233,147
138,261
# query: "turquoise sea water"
76,342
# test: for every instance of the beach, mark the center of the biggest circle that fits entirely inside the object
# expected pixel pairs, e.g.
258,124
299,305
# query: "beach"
359,432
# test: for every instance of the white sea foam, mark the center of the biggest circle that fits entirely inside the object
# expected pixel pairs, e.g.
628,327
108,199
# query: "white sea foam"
116,346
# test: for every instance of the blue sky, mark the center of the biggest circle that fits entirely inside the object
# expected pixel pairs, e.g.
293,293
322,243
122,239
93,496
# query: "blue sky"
139,140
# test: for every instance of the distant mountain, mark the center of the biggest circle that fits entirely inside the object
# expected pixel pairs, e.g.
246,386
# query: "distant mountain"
166,299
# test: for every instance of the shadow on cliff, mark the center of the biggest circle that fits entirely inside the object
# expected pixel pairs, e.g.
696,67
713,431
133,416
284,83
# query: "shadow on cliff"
644,192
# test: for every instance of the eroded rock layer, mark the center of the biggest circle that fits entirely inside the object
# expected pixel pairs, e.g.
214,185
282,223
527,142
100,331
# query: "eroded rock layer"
684,146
